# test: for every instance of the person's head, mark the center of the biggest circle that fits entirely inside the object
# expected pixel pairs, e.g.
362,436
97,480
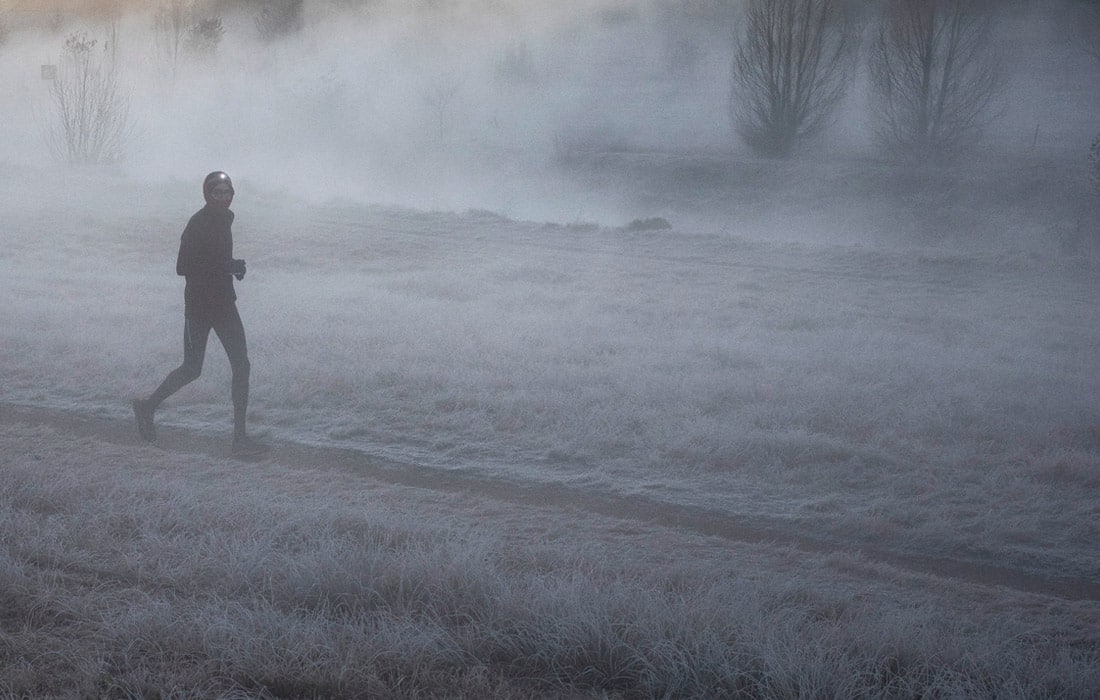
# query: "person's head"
217,189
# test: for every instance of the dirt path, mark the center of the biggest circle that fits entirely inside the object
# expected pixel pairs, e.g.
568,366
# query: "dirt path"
628,508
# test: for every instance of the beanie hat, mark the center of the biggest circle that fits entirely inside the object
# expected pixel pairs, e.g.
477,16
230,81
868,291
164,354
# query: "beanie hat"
213,179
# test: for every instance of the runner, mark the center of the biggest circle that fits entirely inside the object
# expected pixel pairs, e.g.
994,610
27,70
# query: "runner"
206,261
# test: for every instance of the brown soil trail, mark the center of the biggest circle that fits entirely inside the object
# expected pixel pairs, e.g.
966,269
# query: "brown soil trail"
630,508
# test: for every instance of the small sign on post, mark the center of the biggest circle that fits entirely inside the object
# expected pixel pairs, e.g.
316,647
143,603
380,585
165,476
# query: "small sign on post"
49,72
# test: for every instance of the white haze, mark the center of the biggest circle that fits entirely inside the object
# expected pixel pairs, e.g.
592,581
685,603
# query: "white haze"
350,107
399,104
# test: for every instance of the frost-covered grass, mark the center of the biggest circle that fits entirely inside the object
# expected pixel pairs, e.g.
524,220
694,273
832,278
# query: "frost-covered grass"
888,358
131,572
919,398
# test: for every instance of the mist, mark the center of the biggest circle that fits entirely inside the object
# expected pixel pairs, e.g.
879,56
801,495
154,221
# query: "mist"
465,106
511,270
585,111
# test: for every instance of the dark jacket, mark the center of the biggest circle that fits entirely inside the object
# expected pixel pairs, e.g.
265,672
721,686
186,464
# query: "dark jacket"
206,249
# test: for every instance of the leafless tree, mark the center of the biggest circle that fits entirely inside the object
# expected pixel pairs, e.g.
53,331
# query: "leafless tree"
5,28
790,70
439,98
934,76
170,25
91,110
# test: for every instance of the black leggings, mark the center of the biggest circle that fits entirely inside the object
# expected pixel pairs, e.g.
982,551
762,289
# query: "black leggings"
196,329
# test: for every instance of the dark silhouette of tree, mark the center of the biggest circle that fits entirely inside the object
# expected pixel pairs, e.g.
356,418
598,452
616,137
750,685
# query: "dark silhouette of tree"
934,77
790,70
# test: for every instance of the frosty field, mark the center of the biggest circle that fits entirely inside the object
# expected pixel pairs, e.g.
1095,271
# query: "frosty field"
552,459
901,399
570,395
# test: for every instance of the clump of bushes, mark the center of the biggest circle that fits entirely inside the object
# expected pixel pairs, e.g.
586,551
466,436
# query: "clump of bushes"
204,36
654,223
276,19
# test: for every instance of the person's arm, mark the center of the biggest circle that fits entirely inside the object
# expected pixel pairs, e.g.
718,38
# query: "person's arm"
186,261
235,266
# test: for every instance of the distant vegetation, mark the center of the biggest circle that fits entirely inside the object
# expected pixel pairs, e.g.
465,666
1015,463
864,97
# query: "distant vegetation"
791,69
930,71
204,36
278,18
91,117
934,75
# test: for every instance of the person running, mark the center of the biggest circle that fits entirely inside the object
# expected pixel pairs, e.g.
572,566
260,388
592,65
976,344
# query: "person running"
206,262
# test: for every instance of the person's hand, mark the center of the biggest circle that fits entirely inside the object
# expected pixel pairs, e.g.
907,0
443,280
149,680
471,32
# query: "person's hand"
236,268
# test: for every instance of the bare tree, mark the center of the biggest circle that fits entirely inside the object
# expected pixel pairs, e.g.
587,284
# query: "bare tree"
790,70
440,97
934,76
92,112
170,25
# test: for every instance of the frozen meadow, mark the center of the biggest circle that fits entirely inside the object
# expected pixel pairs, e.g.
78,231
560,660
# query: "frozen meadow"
929,402
865,405
462,275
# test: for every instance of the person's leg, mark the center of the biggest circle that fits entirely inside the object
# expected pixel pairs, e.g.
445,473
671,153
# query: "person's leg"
195,333
230,331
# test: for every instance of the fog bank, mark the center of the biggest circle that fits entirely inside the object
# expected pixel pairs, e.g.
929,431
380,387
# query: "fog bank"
475,104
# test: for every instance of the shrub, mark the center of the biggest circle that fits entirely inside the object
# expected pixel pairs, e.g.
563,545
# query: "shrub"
92,111
204,36
279,18
517,65
655,223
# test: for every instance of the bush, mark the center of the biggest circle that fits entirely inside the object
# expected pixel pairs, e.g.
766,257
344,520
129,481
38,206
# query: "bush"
204,36
92,112
517,65
655,223
279,18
